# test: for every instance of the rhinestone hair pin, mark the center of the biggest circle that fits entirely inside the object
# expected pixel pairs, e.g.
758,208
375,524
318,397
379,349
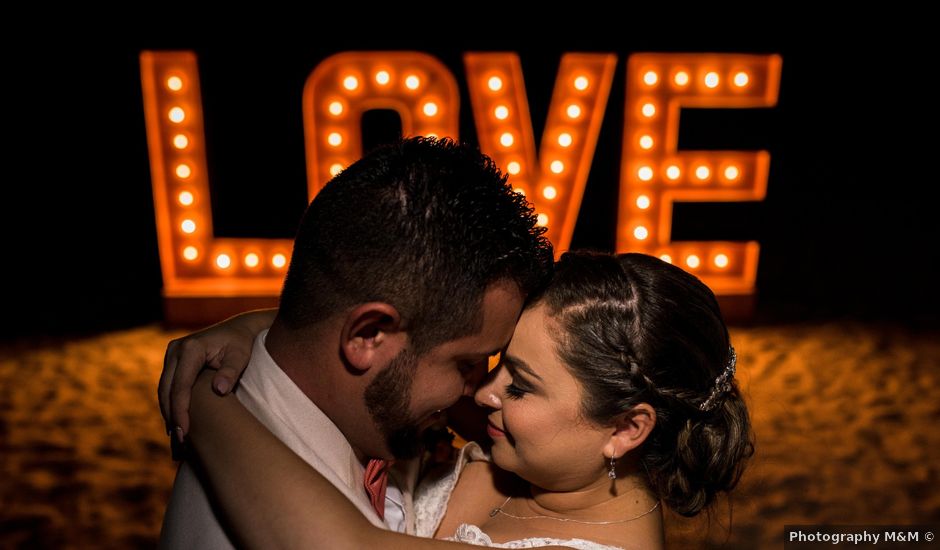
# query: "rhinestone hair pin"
722,384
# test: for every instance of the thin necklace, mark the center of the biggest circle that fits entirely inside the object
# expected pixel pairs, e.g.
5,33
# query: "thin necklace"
499,510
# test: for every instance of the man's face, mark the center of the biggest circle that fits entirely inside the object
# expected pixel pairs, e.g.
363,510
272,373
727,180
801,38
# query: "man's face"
404,398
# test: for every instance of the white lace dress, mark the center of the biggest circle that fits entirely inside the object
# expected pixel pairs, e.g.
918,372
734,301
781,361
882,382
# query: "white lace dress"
433,493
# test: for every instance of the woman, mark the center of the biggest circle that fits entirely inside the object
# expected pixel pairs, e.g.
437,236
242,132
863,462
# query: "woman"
615,393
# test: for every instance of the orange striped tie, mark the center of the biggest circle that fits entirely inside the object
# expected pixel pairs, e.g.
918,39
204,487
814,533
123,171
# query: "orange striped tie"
376,482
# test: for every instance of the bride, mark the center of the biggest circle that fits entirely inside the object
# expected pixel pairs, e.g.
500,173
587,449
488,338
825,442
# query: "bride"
615,397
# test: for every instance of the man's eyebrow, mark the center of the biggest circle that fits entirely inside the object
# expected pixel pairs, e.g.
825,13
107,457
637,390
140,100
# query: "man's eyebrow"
518,364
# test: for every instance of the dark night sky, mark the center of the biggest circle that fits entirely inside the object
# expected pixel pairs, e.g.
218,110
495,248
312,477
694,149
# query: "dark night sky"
848,228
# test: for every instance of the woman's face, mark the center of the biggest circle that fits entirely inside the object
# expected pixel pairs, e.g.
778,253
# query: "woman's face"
536,424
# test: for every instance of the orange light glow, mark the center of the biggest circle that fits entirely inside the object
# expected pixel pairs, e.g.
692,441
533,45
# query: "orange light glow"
553,173
541,220
555,170
690,176
666,258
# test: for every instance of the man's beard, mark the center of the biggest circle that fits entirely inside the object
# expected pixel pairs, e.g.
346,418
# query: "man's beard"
388,398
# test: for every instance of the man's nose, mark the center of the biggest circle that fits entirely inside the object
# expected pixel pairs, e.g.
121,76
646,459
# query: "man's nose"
474,378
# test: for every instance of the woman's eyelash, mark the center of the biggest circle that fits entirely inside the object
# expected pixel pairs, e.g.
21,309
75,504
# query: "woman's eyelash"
515,392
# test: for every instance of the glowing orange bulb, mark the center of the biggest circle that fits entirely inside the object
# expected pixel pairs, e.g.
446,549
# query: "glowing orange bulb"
692,261
382,77
564,140
501,112
174,83
224,261
188,226
495,83
549,192
506,140
641,233
350,83
177,115
431,135
650,78
190,253
336,168
335,108
721,260
573,111
646,142
642,202
252,259
741,79
412,82
180,141
645,173
711,80
183,171
279,260
513,167
702,172
335,139
732,173
186,198
681,78
666,258
557,166
673,172
581,83
519,191
648,110
430,108
541,220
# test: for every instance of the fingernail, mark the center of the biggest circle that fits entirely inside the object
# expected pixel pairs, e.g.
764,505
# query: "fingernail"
180,436
221,386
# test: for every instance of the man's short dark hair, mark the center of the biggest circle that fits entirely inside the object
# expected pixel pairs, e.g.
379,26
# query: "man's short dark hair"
423,224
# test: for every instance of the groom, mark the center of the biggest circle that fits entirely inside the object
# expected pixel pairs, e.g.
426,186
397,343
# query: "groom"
410,268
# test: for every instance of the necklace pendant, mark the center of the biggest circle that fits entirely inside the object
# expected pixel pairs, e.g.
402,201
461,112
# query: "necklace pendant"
494,511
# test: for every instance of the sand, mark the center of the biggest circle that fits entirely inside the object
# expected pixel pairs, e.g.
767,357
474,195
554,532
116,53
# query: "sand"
844,412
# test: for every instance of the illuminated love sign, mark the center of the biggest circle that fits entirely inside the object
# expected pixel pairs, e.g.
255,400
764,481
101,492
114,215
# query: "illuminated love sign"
654,173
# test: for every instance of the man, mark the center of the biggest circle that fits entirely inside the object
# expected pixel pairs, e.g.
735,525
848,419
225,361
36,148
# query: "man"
409,270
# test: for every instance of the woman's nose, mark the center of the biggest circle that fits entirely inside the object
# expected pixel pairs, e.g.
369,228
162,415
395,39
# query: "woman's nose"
488,393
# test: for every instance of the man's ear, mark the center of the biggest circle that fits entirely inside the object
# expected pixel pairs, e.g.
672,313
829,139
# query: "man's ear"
630,430
372,335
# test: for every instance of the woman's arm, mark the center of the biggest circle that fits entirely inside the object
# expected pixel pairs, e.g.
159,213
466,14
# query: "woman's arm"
271,497
225,346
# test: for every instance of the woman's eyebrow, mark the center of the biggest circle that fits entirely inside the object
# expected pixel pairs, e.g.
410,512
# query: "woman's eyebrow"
518,364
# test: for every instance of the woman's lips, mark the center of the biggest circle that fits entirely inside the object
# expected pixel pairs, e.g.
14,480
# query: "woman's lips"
493,431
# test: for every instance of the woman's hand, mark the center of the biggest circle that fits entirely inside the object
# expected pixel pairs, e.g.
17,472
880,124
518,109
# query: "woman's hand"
225,347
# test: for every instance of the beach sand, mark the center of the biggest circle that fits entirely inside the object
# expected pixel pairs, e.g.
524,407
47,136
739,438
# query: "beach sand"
845,417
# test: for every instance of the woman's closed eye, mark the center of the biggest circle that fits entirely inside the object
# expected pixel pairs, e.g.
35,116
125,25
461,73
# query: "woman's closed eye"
514,391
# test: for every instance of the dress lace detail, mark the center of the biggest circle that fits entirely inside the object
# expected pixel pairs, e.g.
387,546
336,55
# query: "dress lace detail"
433,493
472,534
